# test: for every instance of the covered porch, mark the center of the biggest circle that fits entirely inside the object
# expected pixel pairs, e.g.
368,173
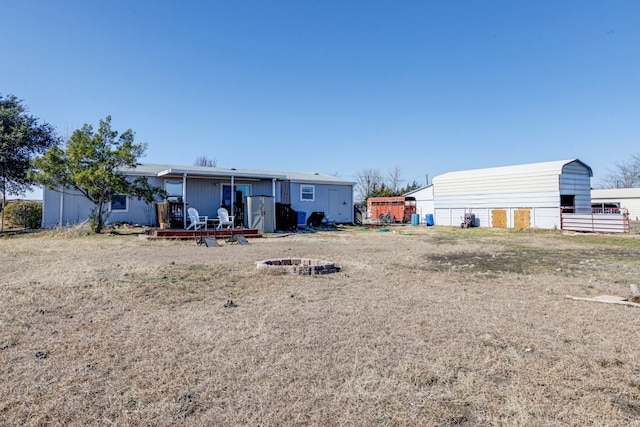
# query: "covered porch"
207,190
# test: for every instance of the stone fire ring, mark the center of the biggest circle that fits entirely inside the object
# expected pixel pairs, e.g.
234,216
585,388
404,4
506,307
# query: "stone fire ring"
304,266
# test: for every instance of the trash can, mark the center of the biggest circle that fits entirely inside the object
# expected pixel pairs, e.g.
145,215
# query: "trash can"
302,218
428,219
415,219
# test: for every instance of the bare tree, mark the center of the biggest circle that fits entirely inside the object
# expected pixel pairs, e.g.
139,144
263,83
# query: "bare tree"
394,179
367,181
205,161
626,174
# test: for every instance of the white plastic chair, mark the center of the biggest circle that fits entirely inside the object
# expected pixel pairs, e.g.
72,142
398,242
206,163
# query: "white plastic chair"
197,221
226,220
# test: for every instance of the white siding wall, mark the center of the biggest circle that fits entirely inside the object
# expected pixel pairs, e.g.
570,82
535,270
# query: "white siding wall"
628,198
495,184
424,201
545,212
633,206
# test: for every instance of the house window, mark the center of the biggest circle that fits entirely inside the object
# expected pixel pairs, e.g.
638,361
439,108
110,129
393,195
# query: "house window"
174,190
120,203
307,193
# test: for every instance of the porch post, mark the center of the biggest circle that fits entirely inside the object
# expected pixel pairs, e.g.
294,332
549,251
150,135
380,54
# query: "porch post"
184,201
273,193
233,193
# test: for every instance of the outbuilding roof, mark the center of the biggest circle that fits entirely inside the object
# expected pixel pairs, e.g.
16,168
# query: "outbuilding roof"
615,193
417,190
555,167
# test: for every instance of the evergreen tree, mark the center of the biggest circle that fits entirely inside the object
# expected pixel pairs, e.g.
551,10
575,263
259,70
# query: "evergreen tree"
94,164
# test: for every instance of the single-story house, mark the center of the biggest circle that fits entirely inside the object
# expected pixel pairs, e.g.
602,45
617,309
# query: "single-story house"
424,201
521,196
627,198
209,188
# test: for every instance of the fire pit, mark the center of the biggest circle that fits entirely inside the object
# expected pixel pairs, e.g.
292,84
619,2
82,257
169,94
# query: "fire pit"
303,266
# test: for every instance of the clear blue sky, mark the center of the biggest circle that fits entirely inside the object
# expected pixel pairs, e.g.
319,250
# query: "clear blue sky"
337,86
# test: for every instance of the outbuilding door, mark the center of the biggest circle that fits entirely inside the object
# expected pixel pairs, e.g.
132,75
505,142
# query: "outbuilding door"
522,218
499,218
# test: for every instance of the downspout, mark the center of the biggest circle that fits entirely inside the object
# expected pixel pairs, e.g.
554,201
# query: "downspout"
273,192
184,201
61,207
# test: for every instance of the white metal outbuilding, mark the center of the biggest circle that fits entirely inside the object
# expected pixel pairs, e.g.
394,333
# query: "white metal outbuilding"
424,201
627,198
521,196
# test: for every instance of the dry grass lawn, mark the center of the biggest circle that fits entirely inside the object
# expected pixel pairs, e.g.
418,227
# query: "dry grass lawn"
422,326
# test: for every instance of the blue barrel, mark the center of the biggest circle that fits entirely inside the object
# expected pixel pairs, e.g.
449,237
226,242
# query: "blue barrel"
302,218
415,219
428,219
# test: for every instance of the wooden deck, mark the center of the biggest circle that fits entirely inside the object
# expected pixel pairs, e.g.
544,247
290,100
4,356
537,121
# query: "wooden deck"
179,233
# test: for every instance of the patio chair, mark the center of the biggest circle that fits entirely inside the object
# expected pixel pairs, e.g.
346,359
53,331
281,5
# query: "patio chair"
226,220
196,220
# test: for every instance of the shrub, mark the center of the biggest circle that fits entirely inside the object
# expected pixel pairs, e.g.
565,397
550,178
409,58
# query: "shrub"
23,214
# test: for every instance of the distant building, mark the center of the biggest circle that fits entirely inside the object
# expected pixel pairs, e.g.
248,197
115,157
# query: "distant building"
628,198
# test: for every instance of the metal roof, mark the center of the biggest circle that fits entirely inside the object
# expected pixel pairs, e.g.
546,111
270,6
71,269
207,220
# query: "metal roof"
615,193
555,167
160,170
418,190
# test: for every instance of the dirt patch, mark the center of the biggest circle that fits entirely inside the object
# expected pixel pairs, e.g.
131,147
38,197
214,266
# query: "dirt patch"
532,260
